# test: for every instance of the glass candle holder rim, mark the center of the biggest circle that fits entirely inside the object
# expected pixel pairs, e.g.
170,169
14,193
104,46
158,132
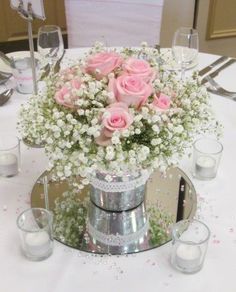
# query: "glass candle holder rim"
191,30
177,239
17,59
50,216
206,152
49,28
11,147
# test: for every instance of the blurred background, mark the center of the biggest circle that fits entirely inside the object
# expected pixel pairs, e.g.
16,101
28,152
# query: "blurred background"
216,24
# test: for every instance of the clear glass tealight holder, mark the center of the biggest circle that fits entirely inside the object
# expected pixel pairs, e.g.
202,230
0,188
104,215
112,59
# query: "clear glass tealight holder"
206,158
9,155
22,73
35,227
189,245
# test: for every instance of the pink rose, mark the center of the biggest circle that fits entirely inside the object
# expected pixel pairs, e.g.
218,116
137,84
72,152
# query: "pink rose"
102,64
75,83
66,96
130,89
161,101
116,117
140,68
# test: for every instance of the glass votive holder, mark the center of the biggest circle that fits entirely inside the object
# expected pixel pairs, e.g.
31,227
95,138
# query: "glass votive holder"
190,240
35,227
9,155
22,73
206,158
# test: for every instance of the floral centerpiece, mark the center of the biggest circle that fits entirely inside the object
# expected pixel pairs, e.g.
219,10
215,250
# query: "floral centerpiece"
116,111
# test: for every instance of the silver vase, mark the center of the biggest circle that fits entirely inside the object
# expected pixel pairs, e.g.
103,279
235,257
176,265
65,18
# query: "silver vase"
117,232
119,193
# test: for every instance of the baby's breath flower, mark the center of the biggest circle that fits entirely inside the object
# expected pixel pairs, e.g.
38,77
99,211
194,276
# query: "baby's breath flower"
70,132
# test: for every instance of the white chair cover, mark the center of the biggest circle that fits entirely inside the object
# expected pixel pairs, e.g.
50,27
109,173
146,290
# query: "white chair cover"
113,22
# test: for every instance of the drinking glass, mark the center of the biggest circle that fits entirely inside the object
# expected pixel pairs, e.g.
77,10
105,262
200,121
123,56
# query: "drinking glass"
50,43
185,47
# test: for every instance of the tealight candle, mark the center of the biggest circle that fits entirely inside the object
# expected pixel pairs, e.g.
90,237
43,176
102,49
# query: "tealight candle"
35,227
206,157
205,166
22,73
188,257
37,243
8,164
189,244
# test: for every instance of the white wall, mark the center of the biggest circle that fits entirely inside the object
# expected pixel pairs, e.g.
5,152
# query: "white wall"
176,13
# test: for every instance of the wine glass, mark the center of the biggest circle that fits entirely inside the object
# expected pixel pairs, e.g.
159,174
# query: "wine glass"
185,47
50,43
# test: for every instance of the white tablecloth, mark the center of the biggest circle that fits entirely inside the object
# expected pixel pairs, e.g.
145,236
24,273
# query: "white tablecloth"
71,270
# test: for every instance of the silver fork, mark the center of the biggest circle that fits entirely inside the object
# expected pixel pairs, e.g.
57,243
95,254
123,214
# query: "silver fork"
217,89
4,96
4,78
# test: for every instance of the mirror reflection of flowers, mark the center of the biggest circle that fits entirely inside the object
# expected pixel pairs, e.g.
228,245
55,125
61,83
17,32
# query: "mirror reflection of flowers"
115,112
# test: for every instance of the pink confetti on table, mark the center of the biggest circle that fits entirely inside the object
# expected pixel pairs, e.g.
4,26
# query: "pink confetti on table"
216,241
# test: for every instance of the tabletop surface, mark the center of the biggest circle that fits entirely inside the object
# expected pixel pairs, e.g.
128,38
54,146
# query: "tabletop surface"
72,270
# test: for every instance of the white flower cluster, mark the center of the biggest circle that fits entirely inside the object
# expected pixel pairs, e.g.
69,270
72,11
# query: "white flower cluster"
152,140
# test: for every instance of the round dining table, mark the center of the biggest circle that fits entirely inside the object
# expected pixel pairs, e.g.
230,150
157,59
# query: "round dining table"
71,270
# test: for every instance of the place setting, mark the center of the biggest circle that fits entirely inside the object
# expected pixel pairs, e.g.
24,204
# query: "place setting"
210,72
18,67
116,161
114,124
113,186
183,56
27,68
112,200
111,124
15,75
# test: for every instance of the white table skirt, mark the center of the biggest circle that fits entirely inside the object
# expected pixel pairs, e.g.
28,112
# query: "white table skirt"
71,270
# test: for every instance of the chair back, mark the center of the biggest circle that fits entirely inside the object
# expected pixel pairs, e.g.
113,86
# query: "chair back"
113,22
